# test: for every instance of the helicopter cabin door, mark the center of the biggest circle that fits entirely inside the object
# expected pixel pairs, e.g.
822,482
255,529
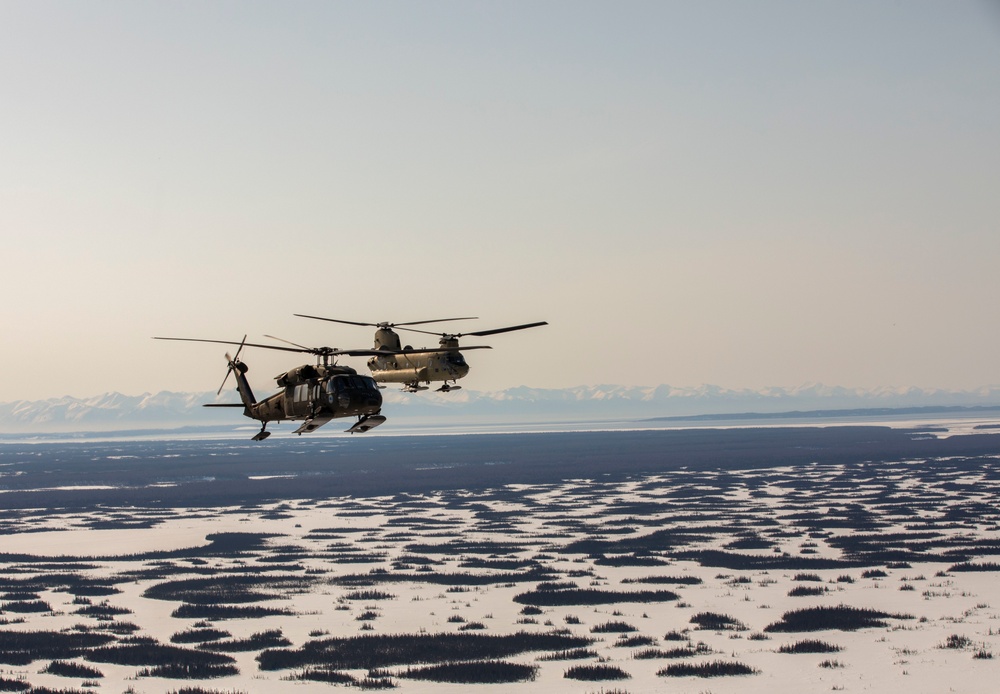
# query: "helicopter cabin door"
301,397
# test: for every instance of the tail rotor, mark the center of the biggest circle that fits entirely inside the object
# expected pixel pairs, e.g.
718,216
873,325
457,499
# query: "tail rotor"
234,363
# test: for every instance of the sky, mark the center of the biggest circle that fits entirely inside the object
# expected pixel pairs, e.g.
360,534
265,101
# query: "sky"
748,195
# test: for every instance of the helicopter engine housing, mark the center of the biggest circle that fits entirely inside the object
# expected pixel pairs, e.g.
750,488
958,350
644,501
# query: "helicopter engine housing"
298,375
387,338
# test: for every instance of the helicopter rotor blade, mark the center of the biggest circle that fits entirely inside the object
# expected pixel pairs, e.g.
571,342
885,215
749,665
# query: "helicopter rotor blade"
318,351
288,342
480,333
238,350
336,320
497,331
230,342
436,320
385,324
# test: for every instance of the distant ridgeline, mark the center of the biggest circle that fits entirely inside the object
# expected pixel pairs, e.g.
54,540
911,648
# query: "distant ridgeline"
114,411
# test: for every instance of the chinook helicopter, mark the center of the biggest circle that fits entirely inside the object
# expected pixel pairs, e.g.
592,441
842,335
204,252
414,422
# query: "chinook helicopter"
411,367
313,394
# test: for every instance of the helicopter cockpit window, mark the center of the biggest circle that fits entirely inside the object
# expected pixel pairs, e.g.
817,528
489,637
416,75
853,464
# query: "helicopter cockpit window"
456,358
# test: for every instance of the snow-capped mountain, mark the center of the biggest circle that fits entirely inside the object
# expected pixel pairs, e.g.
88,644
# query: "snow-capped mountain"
114,411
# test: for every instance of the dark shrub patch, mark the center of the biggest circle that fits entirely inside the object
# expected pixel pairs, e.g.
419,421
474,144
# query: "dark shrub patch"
93,590
189,671
590,596
808,577
573,654
256,642
842,617
376,650
666,580
957,642
971,566
26,606
19,595
323,675
809,646
594,673
634,641
7,685
556,585
376,683
873,573
225,589
801,591
612,628
227,612
482,672
717,668
146,651
718,622
369,595
628,560
755,562
102,611
684,652
199,635
22,647
65,668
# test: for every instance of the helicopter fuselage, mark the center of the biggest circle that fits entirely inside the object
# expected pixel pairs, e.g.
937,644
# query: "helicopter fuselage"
448,364
434,366
326,392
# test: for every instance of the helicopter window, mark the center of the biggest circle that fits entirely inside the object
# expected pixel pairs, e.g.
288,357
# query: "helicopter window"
456,358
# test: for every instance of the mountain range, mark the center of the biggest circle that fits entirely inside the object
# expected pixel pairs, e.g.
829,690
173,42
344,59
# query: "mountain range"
115,411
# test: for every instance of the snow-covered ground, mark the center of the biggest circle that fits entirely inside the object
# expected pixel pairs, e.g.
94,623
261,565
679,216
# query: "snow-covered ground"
945,510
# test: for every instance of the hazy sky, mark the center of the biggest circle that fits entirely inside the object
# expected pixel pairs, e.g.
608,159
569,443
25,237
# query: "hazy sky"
744,194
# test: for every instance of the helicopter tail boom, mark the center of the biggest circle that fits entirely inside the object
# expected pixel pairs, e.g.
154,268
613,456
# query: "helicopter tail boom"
242,384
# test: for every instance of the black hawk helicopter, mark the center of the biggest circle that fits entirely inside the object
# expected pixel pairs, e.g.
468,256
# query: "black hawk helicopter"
393,363
313,394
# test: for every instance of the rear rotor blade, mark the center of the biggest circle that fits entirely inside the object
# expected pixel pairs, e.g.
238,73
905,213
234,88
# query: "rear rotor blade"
480,333
497,331
436,320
